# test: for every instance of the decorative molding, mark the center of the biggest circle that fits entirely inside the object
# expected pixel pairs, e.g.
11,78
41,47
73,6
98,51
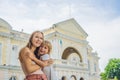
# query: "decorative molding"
10,67
8,35
55,34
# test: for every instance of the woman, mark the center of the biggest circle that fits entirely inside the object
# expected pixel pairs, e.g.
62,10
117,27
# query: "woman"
29,62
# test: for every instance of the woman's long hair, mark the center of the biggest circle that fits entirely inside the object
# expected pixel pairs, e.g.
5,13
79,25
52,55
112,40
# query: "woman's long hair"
36,53
29,44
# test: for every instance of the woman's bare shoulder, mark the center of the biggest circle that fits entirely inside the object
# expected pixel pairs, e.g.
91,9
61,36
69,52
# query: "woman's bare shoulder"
24,51
24,54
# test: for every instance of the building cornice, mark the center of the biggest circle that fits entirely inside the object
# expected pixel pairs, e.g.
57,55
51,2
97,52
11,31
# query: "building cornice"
9,67
55,34
15,37
69,67
65,64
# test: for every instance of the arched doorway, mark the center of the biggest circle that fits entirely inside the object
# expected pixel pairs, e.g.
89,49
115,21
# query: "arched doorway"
71,53
13,78
63,78
73,77
81,78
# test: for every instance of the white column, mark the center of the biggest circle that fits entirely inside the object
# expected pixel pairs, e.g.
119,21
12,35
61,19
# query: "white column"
8,52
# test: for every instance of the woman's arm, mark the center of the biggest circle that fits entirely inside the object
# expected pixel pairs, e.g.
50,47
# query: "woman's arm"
41,63
26,62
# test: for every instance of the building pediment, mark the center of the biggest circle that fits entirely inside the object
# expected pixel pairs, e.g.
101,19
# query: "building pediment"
69,27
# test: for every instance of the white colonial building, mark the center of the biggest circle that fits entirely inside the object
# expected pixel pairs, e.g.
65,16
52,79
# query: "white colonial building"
71,51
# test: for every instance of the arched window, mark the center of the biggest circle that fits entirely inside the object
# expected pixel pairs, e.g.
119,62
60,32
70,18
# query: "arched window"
69,52
73,77
81,78
13,78
64,78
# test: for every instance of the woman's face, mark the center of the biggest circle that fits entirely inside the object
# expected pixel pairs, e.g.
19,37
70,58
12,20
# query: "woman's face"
37,39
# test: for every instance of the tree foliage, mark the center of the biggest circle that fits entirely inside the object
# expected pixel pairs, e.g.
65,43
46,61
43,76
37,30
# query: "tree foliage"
112,70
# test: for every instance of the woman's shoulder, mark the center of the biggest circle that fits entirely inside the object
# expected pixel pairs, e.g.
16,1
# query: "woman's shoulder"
25,50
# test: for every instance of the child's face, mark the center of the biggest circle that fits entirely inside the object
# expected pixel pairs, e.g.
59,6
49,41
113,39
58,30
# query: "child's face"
43,49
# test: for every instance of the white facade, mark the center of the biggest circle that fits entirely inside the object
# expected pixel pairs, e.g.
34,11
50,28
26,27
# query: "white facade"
73,55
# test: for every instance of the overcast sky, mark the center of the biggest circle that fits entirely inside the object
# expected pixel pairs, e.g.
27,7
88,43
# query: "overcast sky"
99,18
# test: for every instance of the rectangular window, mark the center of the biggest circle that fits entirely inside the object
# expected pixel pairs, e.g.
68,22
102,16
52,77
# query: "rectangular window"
95,67
14,55
0,53
88,65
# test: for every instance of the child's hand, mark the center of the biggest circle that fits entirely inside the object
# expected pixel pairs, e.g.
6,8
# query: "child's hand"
50,61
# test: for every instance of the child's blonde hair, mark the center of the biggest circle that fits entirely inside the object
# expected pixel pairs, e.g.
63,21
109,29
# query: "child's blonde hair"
47,43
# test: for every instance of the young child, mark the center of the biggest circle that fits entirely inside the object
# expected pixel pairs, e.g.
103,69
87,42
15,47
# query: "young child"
44,53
